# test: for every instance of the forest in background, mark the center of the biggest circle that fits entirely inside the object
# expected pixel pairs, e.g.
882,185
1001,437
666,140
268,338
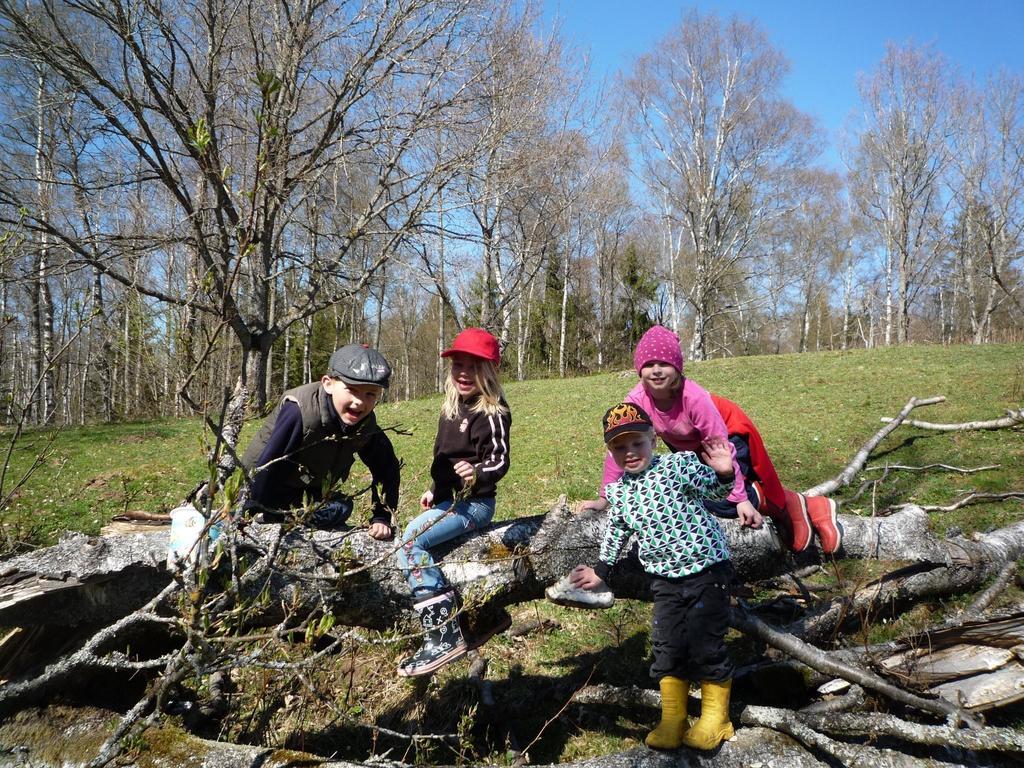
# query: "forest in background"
200,192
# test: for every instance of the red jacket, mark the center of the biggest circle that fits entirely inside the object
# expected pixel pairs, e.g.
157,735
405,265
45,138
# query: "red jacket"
738,423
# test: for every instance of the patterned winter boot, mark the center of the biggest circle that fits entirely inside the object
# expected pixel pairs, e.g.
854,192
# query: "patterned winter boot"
442,637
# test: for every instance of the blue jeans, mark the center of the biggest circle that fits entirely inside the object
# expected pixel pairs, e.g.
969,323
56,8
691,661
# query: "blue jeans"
436,526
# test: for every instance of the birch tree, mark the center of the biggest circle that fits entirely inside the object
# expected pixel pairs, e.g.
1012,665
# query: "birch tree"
897,168
716,144
988,183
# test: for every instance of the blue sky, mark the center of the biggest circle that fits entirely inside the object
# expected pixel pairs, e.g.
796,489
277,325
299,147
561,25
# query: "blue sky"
827,42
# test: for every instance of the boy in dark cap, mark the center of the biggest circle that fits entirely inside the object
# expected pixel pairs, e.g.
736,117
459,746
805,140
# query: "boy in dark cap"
659,502
307,445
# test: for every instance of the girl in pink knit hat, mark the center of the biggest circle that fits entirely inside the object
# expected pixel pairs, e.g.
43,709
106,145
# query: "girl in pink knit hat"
684,414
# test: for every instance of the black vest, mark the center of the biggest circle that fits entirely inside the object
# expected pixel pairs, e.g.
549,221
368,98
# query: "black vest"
328,447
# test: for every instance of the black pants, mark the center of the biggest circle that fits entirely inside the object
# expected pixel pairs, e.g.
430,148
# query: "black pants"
690,620
726,508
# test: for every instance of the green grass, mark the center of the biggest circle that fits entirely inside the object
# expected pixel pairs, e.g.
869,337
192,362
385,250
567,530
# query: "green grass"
813,410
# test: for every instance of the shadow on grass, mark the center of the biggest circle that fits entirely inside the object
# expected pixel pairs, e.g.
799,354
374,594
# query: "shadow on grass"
532,711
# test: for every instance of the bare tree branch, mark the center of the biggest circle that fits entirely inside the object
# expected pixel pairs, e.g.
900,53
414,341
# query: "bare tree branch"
973,498
846,476
749,624
1011,419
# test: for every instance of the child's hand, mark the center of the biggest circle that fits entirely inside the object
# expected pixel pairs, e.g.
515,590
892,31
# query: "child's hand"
427,499
380,531
596,505
717,454
464,470
748,515
583,577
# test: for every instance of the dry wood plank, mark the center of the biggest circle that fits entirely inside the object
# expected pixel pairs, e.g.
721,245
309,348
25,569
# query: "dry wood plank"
1003,630
989,690
950,663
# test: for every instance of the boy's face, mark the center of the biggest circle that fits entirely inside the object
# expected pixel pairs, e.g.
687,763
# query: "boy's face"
352,401
659,379
632,451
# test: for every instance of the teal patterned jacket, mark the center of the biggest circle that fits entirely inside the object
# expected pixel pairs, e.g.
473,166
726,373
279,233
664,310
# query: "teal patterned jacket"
661,506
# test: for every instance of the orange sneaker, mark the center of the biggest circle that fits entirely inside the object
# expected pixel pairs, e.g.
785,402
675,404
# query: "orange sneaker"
822,511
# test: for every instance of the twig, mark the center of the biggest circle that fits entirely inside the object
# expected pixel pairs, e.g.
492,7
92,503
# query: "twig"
973,498
524,628
749,624
873,484
175,670
949,467
846,476
810,570
1012,418
524,754
852,699
630,696
982,601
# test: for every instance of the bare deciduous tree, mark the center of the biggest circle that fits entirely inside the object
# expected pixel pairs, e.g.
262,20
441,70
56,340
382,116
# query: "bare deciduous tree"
716,144
897,170
240,114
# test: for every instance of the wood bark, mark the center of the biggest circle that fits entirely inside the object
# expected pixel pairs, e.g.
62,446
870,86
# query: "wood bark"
840,752
953,566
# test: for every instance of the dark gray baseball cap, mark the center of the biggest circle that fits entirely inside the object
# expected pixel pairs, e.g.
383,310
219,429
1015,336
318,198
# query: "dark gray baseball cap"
359,364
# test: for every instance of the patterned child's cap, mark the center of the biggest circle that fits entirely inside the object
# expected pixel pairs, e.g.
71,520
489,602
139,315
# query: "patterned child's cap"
625,417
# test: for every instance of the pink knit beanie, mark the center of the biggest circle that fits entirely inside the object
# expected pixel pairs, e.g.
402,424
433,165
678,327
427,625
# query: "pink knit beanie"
659,343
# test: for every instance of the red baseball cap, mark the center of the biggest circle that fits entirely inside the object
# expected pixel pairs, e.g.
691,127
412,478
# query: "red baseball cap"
476,342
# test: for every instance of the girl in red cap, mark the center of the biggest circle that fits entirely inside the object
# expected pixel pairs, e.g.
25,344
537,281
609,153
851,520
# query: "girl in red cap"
684,413
471,454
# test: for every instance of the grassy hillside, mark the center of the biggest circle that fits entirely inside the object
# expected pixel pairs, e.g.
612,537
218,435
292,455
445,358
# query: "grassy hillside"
813,410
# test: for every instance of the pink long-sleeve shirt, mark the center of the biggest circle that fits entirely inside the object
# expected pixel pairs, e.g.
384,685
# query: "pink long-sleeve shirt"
691,418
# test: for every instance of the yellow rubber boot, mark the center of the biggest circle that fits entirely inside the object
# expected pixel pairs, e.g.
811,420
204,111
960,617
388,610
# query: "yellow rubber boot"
713,727
669,733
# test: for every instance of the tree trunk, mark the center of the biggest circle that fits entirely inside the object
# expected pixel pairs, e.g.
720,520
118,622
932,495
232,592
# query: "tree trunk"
42,302
563,324
95,579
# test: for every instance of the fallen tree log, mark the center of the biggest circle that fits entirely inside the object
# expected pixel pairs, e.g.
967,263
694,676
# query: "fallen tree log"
875,724
957,565
301,572
96,580
852,755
